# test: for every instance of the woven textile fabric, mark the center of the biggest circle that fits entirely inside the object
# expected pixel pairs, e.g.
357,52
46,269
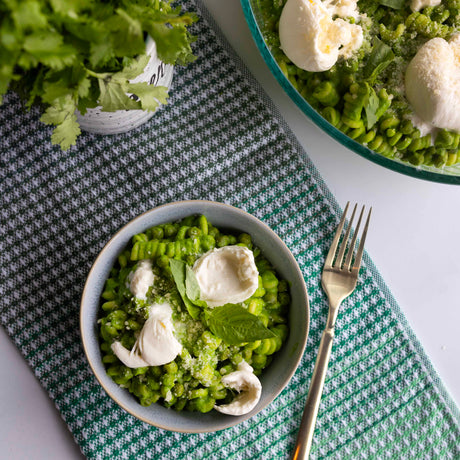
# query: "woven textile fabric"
218,139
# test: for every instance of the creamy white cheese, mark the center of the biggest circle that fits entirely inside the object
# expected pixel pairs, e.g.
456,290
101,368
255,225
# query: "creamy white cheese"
432,83
141,279
248,386
312,39
417,5
226,275
156,344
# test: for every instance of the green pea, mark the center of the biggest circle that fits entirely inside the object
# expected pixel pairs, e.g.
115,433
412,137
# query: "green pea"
180,404
140,370
247,354
109,359
141,390
259,361
157,233
178,389
168,380
218,391
245,239
237,358
171,368
208,242
194,232
108,332
170,399
283,286
211,340
105,346
133,325
117,319
205,404
110,305
232,239
123,260
169,230
153,383
213,231
222,240
124,375
109,295
284,298
151,399
155,371
271,299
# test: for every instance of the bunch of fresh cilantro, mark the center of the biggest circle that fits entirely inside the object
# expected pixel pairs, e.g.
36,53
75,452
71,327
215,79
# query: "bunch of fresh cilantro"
78,54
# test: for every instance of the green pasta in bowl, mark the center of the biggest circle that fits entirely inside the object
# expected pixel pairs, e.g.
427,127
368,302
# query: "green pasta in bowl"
194,316
380,76
178,319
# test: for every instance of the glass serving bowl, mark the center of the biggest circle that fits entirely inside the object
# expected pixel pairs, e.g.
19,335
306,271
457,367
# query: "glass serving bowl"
447,174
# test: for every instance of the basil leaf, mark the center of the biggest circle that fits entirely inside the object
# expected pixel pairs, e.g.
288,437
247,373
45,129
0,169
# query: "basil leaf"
395,4
381,56
178,273
192,288
235,325
371,106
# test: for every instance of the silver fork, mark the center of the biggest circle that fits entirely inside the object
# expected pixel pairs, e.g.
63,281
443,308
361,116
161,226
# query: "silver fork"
339,281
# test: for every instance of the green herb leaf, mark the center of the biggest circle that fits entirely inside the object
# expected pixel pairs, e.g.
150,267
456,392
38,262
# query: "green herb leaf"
65,134
371,106
150,96
134,68
62,114
395,4
173,44
48,48
191,284
235,325
28,14
114,97
179,275
126,34
381,56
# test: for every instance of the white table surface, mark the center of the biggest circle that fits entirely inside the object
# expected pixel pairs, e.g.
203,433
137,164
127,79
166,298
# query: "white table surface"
414,241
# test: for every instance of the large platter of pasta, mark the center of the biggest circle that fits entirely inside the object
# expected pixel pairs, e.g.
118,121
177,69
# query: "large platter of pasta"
380,76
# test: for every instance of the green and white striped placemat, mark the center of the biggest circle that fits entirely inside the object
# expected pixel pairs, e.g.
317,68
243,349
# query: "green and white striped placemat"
221,139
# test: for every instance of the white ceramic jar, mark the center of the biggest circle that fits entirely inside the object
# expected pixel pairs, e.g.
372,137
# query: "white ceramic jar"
156,73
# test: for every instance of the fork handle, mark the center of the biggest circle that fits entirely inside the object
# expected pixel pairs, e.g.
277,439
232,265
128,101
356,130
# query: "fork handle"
307,425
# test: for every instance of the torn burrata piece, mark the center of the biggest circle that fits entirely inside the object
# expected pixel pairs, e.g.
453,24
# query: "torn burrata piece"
247,385
155,345
226,275
141,279
312,39
432,83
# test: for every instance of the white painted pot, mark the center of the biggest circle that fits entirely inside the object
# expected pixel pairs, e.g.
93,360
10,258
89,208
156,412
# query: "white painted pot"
156,73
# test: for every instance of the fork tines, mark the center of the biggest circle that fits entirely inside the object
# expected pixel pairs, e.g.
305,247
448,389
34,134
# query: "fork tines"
334,260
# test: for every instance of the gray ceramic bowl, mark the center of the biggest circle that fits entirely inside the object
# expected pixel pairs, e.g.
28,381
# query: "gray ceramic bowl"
285,362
